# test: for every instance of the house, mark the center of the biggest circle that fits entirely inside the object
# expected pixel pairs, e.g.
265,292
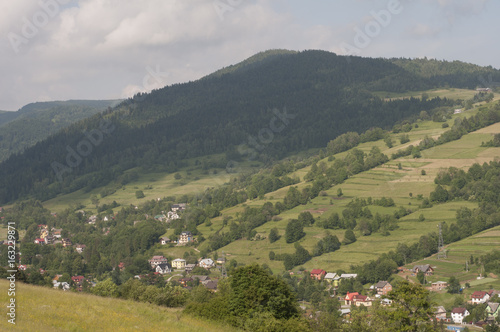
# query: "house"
172,216
157,260
185,238
457,111
440,313
220,261
179,263
80,248
39,241
492,310
211,285
360,300
189,267
386,302
336,281
318,274
479,297
62,285
349,298
161,217
330,276
345,313
66,243
202,279
56,232
179,207
458,315
163,268
483,89
206,263
383,287
121,266
92,220
348,275
184,281
439,285
77,280
164,241
49,239
425,269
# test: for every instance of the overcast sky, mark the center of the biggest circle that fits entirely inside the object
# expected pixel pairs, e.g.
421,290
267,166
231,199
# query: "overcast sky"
107,49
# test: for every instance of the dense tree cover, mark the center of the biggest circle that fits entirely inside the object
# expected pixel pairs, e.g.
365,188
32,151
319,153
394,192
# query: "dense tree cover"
328,243
358,216
294,231
249,297
480,183
450,73
36,121
324,99
349,237
273,235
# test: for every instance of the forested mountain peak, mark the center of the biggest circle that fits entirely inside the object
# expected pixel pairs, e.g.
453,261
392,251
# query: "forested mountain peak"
268,106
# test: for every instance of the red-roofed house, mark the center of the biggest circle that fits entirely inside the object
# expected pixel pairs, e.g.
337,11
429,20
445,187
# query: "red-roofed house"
349,298
360,300
479,297
318,274
458,314
77,280
39,241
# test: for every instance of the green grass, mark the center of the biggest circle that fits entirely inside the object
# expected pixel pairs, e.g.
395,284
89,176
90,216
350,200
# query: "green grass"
443,93
386,180
43,309
154,185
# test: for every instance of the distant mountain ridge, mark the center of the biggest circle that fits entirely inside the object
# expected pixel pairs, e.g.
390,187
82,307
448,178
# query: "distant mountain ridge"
36,121
233,111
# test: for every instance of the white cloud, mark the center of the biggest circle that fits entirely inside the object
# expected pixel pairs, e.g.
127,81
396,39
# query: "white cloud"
102,48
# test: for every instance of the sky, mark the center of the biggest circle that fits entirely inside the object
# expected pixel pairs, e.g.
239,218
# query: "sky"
111,49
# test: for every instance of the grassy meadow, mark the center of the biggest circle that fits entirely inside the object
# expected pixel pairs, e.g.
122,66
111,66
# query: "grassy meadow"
44,309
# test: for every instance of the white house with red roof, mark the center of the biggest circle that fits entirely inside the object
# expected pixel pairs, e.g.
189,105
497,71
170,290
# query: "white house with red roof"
349,298
479,297
360,300
318,274
39,241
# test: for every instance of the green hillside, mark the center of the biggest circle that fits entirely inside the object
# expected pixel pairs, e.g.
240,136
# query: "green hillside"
271,106
44,309
37,121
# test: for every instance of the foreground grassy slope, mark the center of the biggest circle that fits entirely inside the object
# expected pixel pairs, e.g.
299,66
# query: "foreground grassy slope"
43,309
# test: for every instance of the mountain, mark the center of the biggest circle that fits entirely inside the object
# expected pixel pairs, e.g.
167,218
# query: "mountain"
35,122
264,108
